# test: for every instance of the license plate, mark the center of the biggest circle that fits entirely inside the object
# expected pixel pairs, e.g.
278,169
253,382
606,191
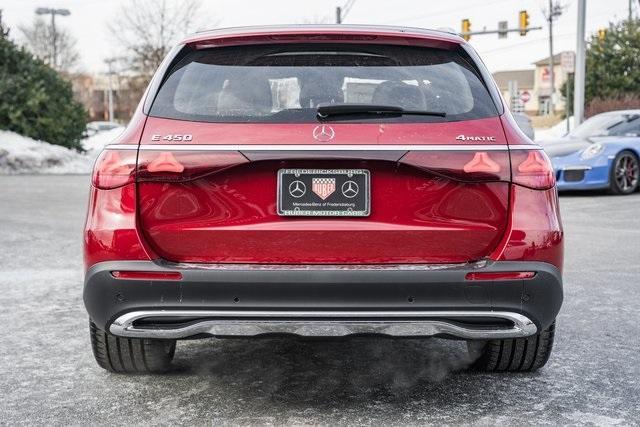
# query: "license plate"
324,192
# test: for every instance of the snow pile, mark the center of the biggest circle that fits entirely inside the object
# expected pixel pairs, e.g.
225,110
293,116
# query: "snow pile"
554,132
19,154
23,155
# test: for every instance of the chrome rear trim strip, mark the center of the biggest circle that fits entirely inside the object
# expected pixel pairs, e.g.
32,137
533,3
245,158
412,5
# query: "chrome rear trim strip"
322,323
300,147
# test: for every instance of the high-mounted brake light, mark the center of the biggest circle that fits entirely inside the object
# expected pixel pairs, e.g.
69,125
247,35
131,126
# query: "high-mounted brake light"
532,169
114,168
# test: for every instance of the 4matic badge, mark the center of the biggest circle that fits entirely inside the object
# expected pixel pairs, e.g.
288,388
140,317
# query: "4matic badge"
475,138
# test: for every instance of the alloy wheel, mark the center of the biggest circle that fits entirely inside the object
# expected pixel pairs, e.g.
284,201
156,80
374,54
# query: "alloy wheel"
627,172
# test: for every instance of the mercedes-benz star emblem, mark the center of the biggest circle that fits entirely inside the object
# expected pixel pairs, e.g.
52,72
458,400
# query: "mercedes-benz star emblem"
297,189
323,133
350,189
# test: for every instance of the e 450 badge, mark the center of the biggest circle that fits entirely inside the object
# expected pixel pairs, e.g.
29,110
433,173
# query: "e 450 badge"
177,137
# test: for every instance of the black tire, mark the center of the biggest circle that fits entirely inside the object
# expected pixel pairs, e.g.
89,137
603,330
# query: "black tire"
624,176
513,355
130,355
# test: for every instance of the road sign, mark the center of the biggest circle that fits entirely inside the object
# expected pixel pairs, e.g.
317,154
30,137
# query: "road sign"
503,26
568,62
525,96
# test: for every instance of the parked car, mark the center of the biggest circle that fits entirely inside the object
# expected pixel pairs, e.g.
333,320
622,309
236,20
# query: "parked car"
323,181
96,127
601,153
524,123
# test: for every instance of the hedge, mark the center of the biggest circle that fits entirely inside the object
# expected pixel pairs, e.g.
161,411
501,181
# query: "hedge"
35,101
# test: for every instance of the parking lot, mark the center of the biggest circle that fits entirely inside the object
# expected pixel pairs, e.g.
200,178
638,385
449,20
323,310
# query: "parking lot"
48,375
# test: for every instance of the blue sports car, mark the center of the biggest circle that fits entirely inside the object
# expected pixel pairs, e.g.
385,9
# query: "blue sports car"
601,153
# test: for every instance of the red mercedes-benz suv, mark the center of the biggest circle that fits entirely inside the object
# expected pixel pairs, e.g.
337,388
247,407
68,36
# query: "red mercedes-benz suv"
323,181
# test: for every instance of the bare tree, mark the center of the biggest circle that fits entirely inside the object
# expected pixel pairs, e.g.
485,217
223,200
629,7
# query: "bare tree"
147,29
38,38
4,30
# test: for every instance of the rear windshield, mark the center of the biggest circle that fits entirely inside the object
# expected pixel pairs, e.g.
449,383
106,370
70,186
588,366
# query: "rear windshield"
286,83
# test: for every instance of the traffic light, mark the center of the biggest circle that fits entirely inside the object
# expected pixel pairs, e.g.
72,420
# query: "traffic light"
523,22
602,33
466,29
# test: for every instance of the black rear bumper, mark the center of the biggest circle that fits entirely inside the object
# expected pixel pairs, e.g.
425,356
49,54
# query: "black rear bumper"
317,289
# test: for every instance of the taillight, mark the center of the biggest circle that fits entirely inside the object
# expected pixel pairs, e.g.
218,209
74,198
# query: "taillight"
147,275
532,168
500,275
114,168
462,165
176,166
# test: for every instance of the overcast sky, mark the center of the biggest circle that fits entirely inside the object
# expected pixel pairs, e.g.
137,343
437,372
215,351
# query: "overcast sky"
89,18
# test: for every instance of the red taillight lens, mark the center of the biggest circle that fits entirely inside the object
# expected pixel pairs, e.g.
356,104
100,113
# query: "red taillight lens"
532,168
462,165
179,166
501,275
147,275
114,168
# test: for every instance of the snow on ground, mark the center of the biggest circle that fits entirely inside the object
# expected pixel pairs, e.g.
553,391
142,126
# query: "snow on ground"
23,155
554,132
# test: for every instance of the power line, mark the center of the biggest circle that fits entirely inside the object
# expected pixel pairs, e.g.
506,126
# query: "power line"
443,12
541,39
343,11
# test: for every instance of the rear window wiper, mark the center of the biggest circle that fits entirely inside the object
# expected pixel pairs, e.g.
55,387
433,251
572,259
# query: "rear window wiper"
330,110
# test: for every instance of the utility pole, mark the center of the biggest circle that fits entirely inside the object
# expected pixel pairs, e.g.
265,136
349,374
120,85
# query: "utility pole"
630,10
555,10
54,36
342,11
578,90
109,62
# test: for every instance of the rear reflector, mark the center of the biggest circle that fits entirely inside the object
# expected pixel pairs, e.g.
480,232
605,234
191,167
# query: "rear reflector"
147,275
532,168
501,275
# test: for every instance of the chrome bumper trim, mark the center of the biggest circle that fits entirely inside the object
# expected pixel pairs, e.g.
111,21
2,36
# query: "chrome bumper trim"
322,324
576,168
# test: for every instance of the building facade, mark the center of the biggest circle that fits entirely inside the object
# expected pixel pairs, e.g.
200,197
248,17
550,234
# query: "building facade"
533,86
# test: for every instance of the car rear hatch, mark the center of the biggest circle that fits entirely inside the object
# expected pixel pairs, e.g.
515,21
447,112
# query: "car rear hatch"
235,166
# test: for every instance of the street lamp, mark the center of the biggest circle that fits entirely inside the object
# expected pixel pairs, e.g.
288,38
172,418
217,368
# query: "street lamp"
54,39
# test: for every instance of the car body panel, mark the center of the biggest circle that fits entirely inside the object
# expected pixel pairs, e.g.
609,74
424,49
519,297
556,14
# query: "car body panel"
193,217
268,134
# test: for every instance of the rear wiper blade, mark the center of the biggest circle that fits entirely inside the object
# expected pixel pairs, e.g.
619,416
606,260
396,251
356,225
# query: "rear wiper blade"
326,111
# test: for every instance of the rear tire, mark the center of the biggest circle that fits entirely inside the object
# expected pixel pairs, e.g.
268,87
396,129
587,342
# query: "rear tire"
130,355
513,355
624,176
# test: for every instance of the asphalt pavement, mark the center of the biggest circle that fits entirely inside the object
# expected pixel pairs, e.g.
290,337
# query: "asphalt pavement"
48,375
